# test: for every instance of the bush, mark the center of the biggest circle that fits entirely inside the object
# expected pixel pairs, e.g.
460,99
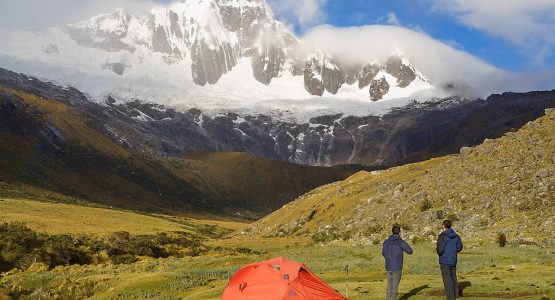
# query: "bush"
21,247
17,246
123,259
248,251
63,250
375,228
426,205
502,239
404,226
440,214
452,217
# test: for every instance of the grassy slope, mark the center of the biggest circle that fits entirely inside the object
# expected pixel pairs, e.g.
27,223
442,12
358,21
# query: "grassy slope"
94,167
243,179
504,185
99,170
57,218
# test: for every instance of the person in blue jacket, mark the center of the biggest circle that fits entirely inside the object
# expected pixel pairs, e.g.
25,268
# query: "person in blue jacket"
393,249
449,244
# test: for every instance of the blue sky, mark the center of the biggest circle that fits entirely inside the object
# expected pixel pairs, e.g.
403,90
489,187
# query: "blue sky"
503,33
439,26
514,35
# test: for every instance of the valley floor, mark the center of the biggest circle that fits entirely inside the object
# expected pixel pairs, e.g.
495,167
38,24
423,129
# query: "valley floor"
485,270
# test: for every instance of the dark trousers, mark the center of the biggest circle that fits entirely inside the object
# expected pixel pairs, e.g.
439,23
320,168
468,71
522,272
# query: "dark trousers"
393,279
449,275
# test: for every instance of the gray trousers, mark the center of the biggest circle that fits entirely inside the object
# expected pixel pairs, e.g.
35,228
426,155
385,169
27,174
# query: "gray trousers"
449,275
393,279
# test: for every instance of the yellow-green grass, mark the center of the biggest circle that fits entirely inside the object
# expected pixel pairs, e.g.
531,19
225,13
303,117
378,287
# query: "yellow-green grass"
505,185
207,219
484,271
58,218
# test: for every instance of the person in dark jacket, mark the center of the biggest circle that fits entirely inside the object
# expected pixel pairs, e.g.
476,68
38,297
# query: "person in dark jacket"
393,249
449,244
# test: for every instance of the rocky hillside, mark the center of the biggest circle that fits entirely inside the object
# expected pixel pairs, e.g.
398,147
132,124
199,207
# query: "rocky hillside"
53,150
415,132
505,186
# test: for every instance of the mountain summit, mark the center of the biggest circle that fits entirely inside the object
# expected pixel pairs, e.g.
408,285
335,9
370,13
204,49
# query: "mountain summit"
211,52
212,36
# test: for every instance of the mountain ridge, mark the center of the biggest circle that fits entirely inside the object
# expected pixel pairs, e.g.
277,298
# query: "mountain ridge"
502,186
52,149
415,132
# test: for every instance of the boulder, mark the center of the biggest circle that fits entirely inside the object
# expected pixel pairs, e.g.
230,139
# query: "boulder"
465,151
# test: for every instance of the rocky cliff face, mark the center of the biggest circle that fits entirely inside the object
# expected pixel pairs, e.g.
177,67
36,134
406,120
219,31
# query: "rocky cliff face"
212,36
367,74
400,68
378,88
323,73
412,133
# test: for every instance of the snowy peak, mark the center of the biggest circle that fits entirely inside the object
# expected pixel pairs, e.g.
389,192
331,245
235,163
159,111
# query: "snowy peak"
219,55
324,73
107,31
115,23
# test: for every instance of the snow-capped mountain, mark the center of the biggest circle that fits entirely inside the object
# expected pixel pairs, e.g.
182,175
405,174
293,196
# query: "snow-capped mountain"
209,54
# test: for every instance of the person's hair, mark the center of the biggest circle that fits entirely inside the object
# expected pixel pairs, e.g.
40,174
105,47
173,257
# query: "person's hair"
396,229
447,223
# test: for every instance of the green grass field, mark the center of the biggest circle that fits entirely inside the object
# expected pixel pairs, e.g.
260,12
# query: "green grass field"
485,270
57,218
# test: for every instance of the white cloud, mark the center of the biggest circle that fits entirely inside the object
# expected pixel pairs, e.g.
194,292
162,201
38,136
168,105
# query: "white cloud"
302,14
392,19
30,14
440,62
530,24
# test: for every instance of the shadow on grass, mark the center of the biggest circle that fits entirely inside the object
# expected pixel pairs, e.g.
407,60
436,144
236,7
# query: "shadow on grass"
462,286
414,291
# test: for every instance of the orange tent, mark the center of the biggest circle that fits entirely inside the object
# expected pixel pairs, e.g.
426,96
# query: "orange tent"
278,279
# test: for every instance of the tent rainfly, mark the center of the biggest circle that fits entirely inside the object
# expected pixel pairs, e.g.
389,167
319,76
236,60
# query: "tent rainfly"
278,279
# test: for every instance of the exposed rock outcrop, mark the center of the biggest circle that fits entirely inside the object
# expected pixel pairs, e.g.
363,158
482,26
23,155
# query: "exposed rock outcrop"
118,68
367,74
210,64
313,77
267,63
378,88
399,68
322,74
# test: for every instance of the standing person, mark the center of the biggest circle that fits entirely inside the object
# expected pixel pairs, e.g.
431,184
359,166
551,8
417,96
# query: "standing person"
449,244
392,250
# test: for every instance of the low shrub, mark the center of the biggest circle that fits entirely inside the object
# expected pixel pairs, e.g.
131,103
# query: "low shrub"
425,205
21,247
